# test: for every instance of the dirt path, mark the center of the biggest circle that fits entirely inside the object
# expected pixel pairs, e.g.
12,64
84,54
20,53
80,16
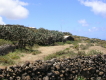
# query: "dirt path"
44,52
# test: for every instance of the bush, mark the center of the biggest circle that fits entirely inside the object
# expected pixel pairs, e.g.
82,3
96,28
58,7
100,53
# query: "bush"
80,78
67,33
14,55
68,42
76,47
65,52
55,55
6,60
80,53
9,58
58,43
2,42
103,45
36,52
83,47
94,52
36,46
48,37
75,42
18,33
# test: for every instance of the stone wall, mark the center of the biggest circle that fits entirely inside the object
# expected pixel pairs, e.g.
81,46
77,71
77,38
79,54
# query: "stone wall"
5,49
92,68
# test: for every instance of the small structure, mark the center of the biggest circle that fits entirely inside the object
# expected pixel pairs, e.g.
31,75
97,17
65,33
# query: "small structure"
67,38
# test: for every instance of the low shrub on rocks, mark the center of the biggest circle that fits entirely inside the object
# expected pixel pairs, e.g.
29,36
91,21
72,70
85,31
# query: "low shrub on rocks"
3,42
5,49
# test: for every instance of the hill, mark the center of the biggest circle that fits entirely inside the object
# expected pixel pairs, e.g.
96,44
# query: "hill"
45,45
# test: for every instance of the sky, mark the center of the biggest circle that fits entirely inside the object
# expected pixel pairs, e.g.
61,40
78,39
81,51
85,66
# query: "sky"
79,17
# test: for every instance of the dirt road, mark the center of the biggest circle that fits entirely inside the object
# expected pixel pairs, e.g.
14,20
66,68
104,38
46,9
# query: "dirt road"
44,52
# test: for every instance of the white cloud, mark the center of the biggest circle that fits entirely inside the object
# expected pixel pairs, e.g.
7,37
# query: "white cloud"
83,22
93,29
1,21
89,30
98,7
13,9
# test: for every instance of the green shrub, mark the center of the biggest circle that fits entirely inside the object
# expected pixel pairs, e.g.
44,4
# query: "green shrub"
103,45
2,42
58,43
76,47
75,42
67,49
4,79
6,60
80,53
80,78
36,52
10,57
36,46
94,52
89,44
48,37
55,55
65,52
97,44
68,42
50,56
67,33
18,33
83,47
14,55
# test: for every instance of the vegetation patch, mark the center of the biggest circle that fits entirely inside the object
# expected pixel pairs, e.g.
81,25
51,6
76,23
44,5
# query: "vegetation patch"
36,52
70,53
85,46
69,42
80,78
36,46
94,52
9,58
76,46
58,43
80,53
65,52
2,42
4,60
91,52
